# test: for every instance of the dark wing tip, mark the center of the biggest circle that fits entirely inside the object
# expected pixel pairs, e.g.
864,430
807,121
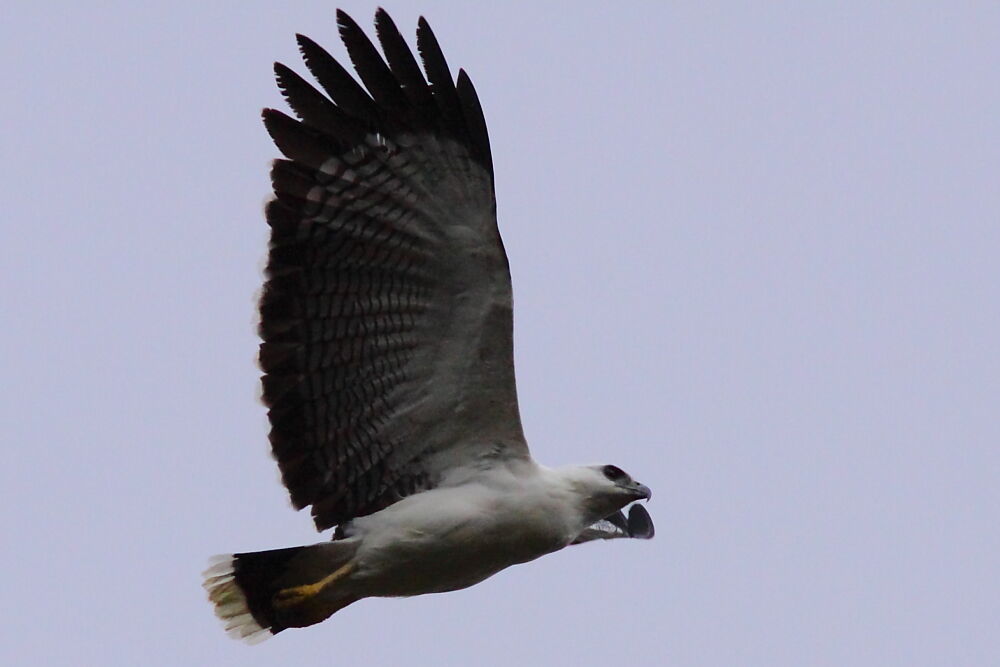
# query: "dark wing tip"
401,61
295,140
432,55
475,120
342,88
303,42
441,82
368,63
346,25
343,17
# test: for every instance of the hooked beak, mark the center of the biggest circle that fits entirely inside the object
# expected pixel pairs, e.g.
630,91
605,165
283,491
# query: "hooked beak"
641,491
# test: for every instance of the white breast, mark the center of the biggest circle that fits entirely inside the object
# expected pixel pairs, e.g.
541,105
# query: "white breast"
453,537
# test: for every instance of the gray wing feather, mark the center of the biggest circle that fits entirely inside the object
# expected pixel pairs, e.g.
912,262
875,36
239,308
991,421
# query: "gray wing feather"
386,315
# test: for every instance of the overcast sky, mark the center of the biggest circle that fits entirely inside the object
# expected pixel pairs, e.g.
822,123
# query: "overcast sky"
756,261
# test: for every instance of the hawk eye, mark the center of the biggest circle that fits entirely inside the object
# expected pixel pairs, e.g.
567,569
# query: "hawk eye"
614,473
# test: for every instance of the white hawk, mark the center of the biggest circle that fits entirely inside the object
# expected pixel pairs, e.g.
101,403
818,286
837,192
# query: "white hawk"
387,351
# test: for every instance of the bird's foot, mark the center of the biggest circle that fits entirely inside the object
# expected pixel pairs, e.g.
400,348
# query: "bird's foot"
289,597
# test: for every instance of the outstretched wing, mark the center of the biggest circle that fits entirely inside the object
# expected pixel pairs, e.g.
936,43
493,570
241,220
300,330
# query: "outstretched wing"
386,313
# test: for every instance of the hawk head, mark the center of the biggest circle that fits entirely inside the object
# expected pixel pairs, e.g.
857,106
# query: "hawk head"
603,490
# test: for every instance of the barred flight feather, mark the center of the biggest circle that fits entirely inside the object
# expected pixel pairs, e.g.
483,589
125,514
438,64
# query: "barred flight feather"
387,301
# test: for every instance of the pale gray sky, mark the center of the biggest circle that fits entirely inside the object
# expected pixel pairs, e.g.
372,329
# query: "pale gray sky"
755,256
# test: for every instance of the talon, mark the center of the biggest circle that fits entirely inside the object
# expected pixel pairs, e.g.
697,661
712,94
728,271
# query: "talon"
294,595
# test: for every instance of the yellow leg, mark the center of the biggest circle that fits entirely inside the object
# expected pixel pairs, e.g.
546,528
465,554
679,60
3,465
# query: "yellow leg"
288,597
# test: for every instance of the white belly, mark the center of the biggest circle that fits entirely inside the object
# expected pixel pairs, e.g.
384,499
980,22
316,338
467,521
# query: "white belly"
447,539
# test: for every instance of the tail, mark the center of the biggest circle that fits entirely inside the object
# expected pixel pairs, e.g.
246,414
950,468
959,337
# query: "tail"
259,594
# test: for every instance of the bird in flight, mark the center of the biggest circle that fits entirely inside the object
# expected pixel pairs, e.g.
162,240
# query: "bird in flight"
387,351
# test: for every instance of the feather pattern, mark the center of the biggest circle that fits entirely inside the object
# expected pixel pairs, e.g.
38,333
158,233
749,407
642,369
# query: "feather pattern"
386,311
